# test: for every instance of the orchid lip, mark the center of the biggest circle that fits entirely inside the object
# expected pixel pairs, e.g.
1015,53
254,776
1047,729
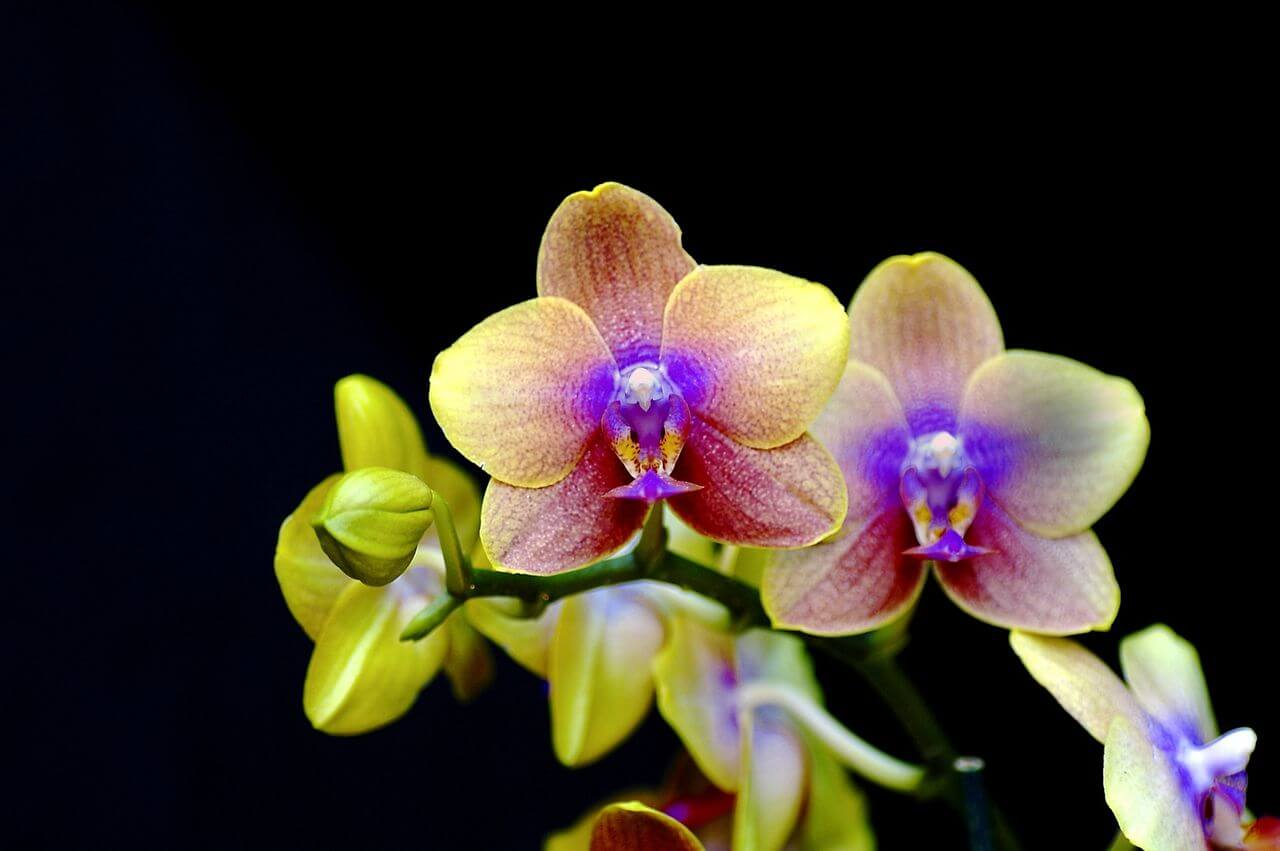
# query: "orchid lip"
1224,756
950,547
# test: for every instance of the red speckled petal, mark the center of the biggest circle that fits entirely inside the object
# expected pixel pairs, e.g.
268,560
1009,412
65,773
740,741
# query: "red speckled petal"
791,496
854,583
566,525
1052,586
616,253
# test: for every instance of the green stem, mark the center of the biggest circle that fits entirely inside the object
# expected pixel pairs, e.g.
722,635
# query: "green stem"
457,567
1121,843
436,613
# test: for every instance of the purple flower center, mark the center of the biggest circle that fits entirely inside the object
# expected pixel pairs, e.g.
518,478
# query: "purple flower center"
942,493
647,424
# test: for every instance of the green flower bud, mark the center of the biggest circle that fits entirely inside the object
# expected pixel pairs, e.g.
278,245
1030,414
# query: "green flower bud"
371,523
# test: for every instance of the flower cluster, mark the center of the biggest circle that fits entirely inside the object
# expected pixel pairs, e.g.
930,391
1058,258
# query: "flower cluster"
685,462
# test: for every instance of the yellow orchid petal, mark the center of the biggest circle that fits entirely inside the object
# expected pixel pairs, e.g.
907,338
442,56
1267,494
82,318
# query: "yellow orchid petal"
1163,670
309,581
1085,687
362,676
632,826
773,783
755,352
375,427
1144,792
835,816
693,673
526,640
468,664
520,394
599,671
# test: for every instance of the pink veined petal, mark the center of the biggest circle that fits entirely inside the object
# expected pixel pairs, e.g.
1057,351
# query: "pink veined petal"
791,496
926,324
854,583
616,253
521,393
755,352
566,525
1050,586
1057,441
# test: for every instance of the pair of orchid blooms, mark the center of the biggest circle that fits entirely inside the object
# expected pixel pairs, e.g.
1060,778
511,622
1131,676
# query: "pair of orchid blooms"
860,449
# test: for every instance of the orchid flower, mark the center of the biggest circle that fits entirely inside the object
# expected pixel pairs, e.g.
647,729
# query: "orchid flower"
1173,783
361,675
990,465
637,376
789,791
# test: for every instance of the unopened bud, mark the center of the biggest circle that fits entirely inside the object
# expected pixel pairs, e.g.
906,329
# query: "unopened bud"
371,523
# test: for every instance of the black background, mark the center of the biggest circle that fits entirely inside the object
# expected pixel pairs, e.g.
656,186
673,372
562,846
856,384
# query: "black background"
207,218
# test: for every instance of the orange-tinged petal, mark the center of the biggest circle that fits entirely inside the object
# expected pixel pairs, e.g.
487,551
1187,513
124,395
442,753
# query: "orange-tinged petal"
926,324
616,253
632,826
755,352
566,525
853,583
1053,586
790,496
521,393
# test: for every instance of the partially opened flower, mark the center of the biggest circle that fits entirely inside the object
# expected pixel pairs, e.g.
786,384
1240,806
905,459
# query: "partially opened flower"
637,376
596,652
1173,783
361,674
788,791
989,465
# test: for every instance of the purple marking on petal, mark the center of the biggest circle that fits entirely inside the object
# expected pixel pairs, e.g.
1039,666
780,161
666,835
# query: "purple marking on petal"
601,387
950,547
688,377
651,486
989,450
930,417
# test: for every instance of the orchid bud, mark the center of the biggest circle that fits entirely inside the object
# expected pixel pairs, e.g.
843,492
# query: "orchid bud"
371,523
